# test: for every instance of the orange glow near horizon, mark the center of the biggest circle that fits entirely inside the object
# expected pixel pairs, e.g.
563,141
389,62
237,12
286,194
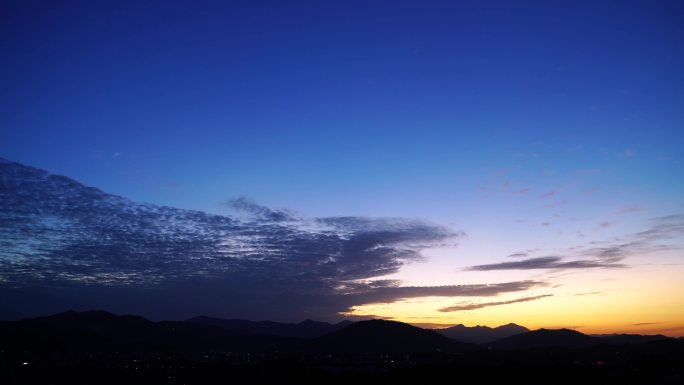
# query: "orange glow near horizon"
643,300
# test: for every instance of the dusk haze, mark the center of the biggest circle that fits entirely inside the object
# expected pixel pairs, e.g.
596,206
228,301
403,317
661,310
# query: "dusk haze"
435,163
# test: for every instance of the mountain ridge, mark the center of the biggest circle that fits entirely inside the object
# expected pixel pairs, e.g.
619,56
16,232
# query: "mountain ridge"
104,330
481,334
304,329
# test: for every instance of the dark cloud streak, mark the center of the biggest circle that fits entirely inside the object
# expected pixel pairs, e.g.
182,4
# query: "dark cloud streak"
394,293
480,305
545,263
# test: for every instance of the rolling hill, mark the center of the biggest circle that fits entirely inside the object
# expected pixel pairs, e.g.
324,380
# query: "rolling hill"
547,338
387,336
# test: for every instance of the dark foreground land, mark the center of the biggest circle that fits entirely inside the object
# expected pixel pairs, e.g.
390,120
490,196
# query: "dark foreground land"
107,349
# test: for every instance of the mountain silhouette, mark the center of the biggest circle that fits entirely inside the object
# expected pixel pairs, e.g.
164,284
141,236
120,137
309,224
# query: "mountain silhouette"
304,329
103,331
481,334
626,339
546,338
100,331
104,348
387,336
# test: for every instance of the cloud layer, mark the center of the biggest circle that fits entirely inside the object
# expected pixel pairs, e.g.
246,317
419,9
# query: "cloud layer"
65,244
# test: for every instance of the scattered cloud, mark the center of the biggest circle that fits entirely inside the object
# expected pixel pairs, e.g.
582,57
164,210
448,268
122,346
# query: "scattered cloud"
588,293
606,224
518,255
549,194
480,305
604,254
557,203
665,227
645,323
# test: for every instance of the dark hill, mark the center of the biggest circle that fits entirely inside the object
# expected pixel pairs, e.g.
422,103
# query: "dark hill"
86,329
626,339
481,334
546,338
103,331
304,329
94,320
387,336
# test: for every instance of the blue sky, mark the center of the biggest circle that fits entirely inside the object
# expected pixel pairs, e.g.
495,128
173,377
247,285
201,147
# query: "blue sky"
524,124
287,101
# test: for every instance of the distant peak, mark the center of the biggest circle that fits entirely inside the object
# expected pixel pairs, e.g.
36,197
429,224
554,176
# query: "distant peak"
200,318
558,331
512,326
310,322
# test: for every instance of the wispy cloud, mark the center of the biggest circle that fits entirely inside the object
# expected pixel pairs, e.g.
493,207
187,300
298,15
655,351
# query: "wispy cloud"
545,263
629,209
480,305
665,227
588,293
557,203
606,224
387,294
610,255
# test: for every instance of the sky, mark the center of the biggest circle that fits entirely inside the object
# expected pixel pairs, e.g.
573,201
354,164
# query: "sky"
540,142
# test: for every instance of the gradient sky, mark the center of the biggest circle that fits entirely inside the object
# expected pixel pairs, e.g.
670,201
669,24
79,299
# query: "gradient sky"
550,133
